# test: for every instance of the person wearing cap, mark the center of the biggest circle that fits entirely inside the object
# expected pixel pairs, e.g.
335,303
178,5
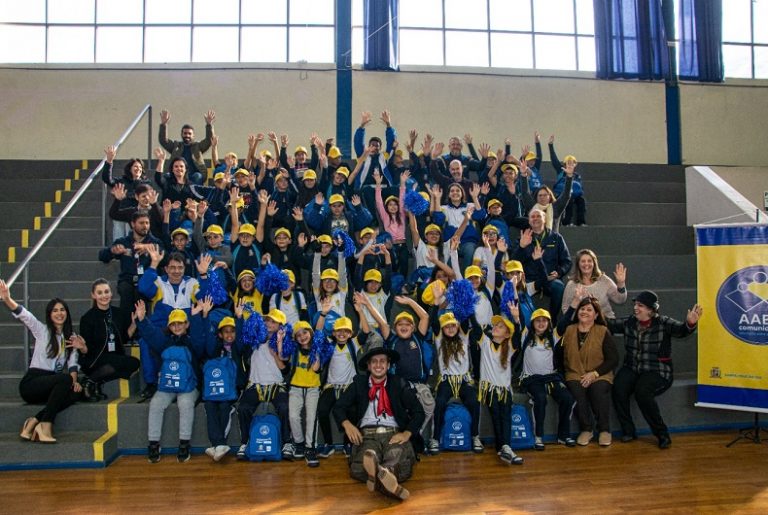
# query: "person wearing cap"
337,214
290,301
541,375
568,180
492,252
246,254
300,162
587,273
513,272
212,240
380,414
188,149
216,196
430,245
493,212
532,159
416,353
452,341
545,199
180,333
497,346
375,284
179,241
222,344
245,292
647,368
507,192
335,182
336,376
303,394
307,187
284,198
283,251
392,219
589,359
330,291
545,258
266,381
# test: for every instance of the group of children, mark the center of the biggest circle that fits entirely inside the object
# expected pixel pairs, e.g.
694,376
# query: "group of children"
244,247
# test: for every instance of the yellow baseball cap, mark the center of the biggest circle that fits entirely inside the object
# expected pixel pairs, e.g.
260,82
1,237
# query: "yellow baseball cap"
180,231
300,149
541,312
343,170
366,231
309,174
404,315
246,273
282,230
431,228
240,202
214,229
498,318
266,153
277,316
329,273
491,228
247,229
324,238
473,271
424,195
290,274
494,202
530,156
334,152
447,319
491,155
335,199
226,322
242,171
513,266
570,157
428,296
218,176
390,198
508,166
301,325
372,275
342,323
177,315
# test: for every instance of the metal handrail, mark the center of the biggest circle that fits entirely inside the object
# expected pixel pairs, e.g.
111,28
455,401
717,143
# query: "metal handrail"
23,266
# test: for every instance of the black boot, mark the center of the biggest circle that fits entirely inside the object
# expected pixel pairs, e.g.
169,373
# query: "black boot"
89,391
99,393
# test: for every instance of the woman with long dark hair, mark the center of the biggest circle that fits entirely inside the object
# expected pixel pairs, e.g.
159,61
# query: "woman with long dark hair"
106,329
134,174
52,375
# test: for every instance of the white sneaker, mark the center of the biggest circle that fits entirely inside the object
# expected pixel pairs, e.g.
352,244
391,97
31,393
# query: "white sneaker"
433,447
509,457
477,445
221,451
210,451
241,451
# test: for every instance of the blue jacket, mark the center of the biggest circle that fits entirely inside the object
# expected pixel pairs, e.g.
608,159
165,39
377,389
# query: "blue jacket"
129,263
556,257
318,218
359,142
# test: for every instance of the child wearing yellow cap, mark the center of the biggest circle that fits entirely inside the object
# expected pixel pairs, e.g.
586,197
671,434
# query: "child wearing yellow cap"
374,283
330,291
290,301
303,394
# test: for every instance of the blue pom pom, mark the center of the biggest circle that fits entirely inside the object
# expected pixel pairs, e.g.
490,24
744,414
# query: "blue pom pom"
397,283
321,349
508,295
348,243
271,280
289,345
461,297
254,329
415,203
216,289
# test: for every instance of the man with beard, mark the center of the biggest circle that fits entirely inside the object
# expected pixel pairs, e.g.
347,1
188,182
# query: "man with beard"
189,149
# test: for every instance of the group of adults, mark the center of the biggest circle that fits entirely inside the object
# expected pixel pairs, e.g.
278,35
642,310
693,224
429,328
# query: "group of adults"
486,219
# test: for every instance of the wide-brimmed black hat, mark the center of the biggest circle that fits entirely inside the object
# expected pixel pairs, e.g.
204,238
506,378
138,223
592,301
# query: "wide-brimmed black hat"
375,350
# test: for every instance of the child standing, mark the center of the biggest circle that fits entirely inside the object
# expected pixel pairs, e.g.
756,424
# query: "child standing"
303,394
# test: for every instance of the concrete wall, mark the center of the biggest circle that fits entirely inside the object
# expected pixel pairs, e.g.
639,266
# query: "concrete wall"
750,182
72,112
711,199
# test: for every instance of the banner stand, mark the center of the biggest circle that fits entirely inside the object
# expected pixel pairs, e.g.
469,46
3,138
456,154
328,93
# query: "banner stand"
751,434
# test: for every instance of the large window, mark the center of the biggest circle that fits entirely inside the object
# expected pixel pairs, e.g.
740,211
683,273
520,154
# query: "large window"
166,31
745,38
538,34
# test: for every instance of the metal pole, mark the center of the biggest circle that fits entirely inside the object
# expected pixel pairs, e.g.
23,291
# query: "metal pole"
26,304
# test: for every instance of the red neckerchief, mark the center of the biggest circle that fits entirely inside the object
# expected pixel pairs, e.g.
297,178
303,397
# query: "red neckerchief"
383,405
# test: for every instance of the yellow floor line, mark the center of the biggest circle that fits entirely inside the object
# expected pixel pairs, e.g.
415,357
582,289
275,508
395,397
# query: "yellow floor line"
25,238
47,209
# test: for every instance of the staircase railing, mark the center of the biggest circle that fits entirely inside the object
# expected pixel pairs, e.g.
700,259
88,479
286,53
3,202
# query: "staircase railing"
23,267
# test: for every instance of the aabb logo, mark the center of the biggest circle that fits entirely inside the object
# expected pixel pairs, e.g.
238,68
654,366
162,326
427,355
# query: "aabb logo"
216,373
456,426
173,366
742,304
263,430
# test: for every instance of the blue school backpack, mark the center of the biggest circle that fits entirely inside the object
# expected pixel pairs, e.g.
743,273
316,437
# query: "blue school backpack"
456,434
264,436
176,372
521,430
220,379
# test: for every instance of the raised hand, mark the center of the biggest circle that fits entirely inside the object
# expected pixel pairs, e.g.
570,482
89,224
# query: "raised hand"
319,199
301,239
155,254
203,263
202,207
437,192
551,139
470,211
252,141
325,305
438,290
159,154
694,314
484,149
355,200
526,238
581,292
365,118
404,176
167,206
538,252
165,116
297,214
501,245
438,149
621,275
454,243
110,152
77,342
385,117
432,255
272,137
284,140
468,138
152,196
118,191
272,208
239,307
140,310
536,137
209,116
485,188
377,178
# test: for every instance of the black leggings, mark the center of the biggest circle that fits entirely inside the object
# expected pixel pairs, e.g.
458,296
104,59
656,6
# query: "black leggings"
49,388
110,366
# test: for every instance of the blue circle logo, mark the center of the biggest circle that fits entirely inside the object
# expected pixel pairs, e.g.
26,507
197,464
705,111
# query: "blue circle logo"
742,304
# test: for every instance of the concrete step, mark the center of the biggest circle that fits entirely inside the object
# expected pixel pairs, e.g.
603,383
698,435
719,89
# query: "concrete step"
630,172
73,289
634,191
12,357
631,213
39,169
653,271
630,240
63,236
83,416
71,270
74,449
68,253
